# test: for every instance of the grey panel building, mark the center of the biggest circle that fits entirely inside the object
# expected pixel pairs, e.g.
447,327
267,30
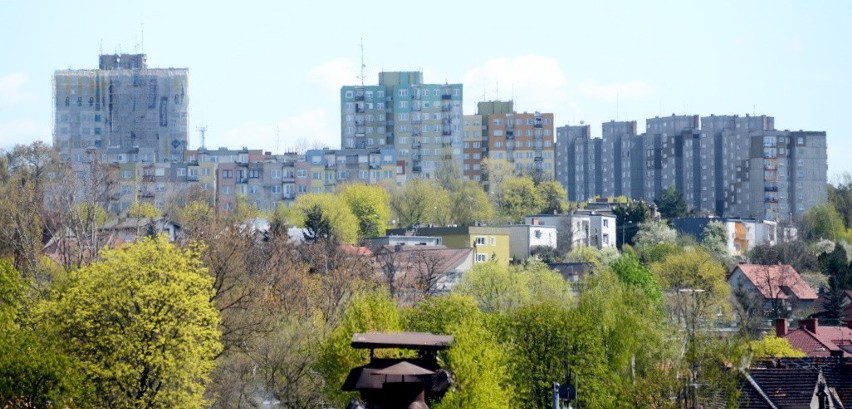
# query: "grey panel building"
124,108
730,166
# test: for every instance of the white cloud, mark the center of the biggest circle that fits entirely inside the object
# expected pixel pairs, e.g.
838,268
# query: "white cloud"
535,82
306,129
629,90
333,74
12,90
24,132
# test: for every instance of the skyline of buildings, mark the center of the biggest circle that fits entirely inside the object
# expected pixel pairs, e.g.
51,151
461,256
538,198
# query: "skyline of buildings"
403,127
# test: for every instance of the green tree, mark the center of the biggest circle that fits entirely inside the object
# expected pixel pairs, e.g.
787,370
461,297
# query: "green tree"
370,205
656,240
539,352
840,197
671,204
476,359
470,204
554,195
628,217
517,198
448,174
696,285
368,311
714,239
632,272
498,288
325,217
419,202
142,325
823,222
773,347
34,373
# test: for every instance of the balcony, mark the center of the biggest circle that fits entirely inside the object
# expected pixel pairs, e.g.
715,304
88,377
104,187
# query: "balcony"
770,188
446,95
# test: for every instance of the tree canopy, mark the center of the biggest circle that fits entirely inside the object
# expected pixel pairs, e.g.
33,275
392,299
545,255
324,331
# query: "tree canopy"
371,206
671,204
141,324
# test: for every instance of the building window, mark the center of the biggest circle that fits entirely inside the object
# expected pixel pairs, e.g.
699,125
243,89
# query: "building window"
479,241
481,258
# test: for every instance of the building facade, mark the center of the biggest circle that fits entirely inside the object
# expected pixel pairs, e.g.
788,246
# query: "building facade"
422,122
724,165
124,108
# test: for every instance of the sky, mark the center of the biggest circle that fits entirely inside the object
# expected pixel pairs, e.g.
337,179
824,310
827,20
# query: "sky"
267,74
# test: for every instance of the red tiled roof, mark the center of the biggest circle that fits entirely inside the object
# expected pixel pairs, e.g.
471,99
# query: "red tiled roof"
772,279
818,341
810,343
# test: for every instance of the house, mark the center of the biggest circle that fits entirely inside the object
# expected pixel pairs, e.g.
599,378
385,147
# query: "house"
779,288
817,340
376,242
572,272
523,237
413,271
489,243
129,229
580,228
742,234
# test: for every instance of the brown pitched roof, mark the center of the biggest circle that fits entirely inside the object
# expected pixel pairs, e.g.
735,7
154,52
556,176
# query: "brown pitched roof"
446,258
774,281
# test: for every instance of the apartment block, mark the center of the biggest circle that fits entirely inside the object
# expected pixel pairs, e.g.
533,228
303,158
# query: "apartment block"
423,122
123,107
525,140
325,169
732,166
473,149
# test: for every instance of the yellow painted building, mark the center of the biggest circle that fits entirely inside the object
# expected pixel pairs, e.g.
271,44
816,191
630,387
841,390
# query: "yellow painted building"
489,243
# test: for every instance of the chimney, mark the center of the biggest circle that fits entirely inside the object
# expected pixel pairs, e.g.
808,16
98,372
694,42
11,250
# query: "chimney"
810,324
780,327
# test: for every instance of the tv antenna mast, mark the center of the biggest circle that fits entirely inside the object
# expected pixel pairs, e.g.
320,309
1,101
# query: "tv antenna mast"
202,130
363,66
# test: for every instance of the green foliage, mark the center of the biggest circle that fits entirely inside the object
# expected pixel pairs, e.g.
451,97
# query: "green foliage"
823,222
616,340
369,311
671,204
655,241
540,351
771,346
714,239
142,325
470,204
795,253
370,205
696,285
34,373
476,360
632,272
840,197
420,201
499,288
554,196
519,197
448,174
628,217
325,217
142,210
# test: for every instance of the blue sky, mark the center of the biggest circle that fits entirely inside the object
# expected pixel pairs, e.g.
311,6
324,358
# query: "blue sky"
267,74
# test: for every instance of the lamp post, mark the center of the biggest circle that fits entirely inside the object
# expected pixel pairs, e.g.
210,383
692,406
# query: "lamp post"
693,317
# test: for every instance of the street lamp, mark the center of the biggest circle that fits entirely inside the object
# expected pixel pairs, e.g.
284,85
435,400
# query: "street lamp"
693,364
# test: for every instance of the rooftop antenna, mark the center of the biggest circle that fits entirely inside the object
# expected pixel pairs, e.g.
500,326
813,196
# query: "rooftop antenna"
202,130
363,66
278,139
497,90
101,52
142,38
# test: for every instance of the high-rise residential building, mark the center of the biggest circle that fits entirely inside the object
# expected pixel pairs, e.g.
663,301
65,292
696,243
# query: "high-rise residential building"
732,166
422,122
616,140
578,160
123,109
473,150
525,140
